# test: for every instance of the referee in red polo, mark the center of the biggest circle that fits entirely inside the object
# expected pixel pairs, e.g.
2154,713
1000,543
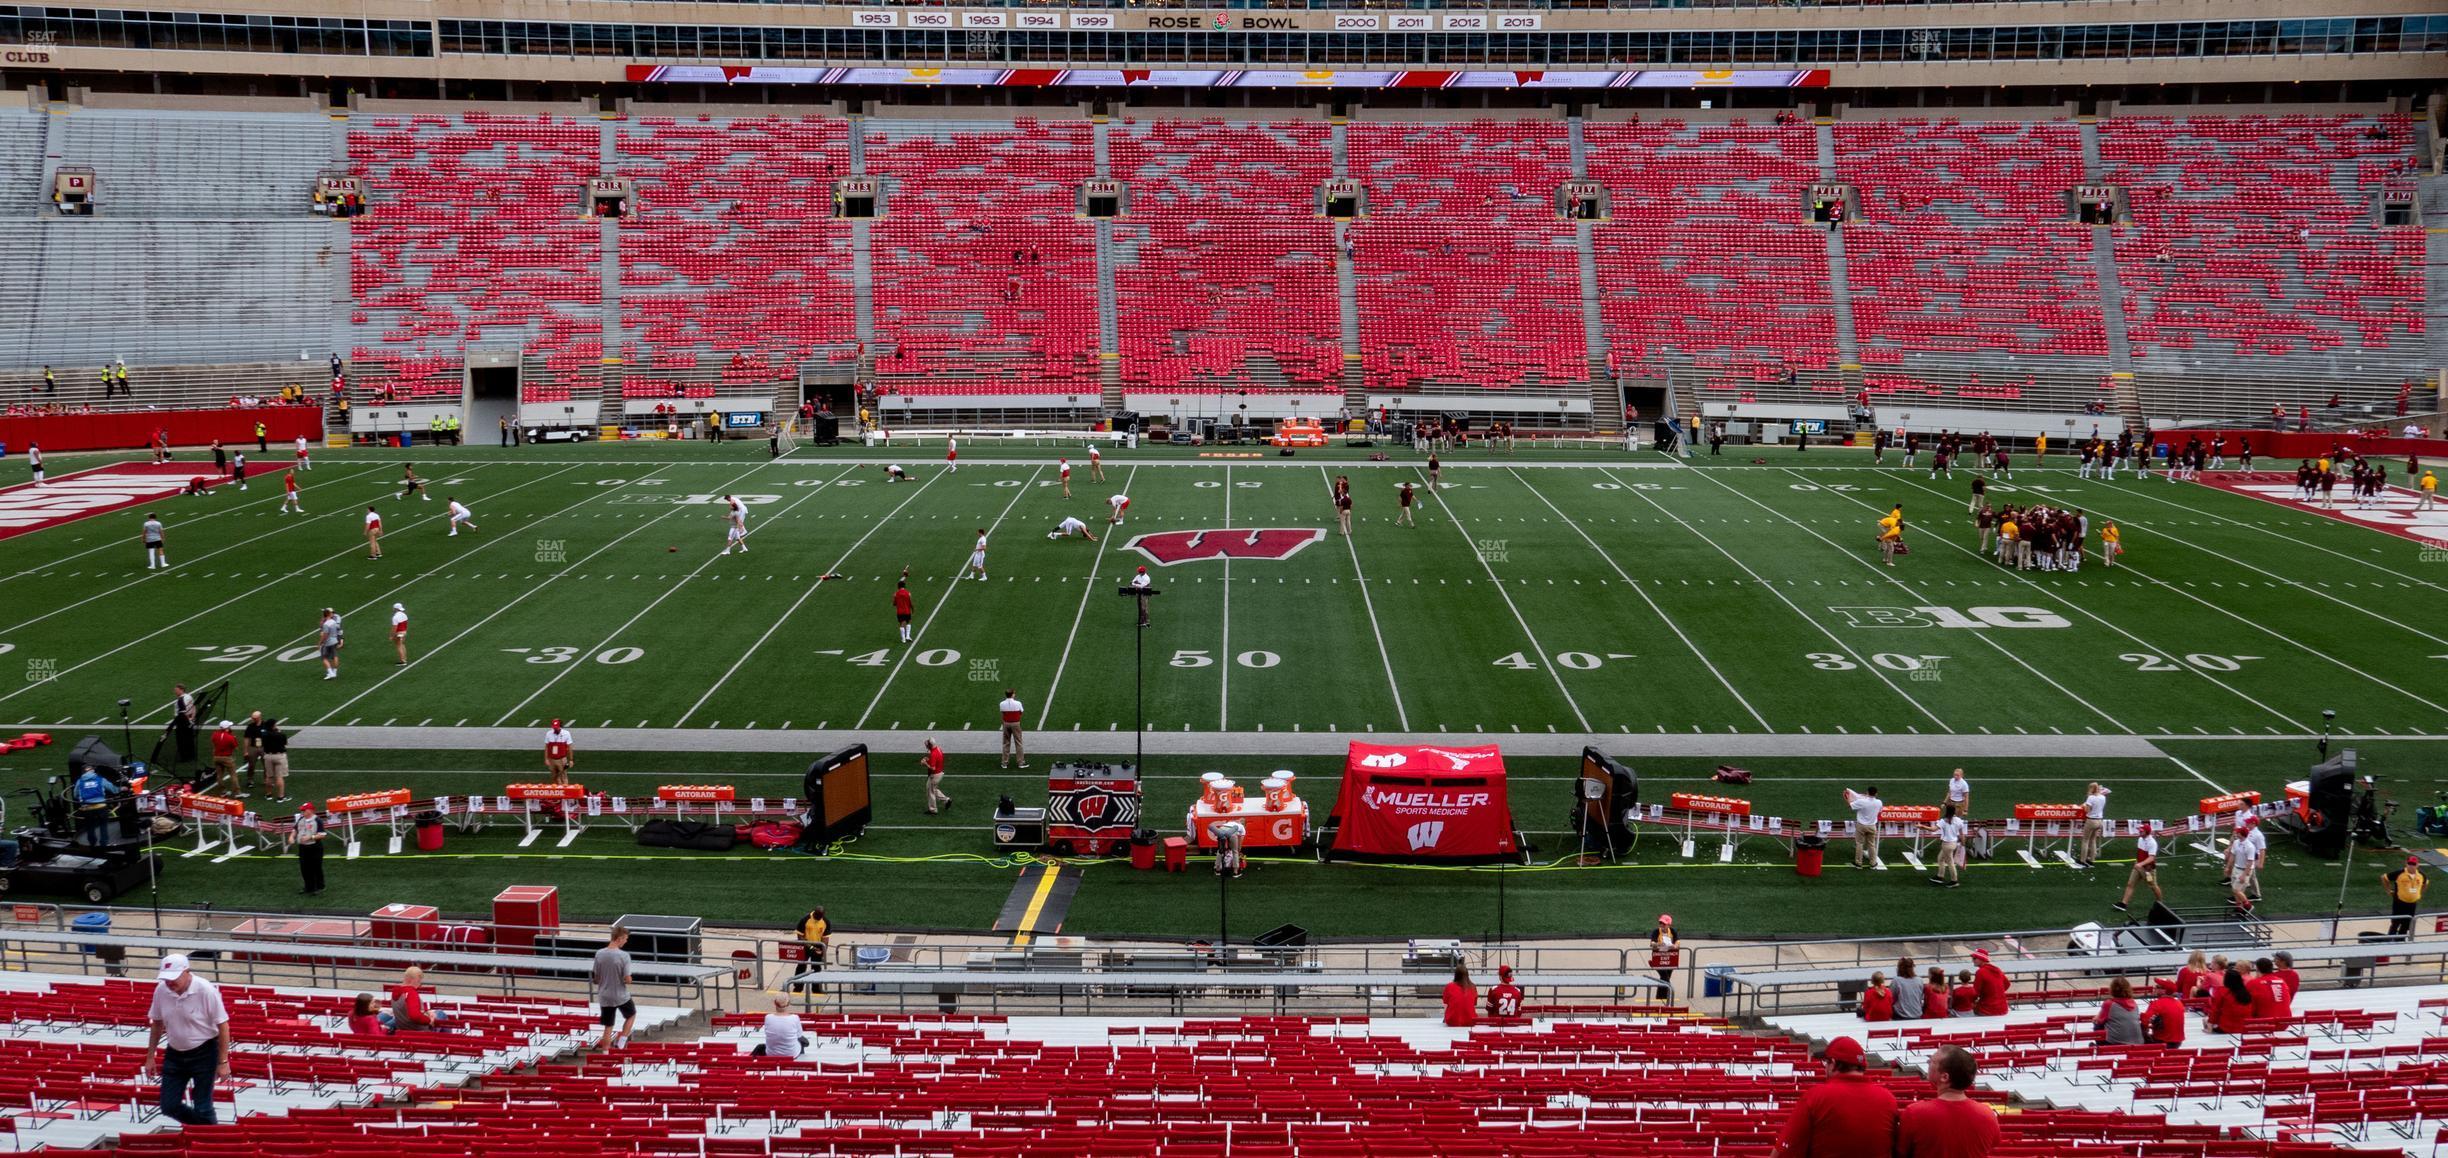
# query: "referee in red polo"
1846,1116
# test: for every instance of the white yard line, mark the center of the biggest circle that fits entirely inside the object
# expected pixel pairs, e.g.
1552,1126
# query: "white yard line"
1902,586
2160,533
1766,585
1654,609
1224,655
2275,634
783,618
2146,493
1045,710
522,597
940,603
259,588
580,659
116,542
1352,543
1545,660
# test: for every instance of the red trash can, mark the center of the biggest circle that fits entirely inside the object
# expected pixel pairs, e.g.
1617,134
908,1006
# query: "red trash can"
1810,856
1143,856
429,832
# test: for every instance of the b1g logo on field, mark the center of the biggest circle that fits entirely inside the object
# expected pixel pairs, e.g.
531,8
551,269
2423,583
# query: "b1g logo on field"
1975,617
1165,548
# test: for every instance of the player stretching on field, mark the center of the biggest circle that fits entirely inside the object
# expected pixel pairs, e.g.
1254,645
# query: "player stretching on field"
1072,527
977,557
409,482
458,515
373,528
1121,507
893,473
289,493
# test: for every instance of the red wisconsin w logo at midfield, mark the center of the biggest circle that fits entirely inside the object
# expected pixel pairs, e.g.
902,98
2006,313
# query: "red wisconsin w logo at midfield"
1166,548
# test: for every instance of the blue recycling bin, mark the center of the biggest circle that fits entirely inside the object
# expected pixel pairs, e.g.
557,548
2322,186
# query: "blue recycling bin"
97,923
1713,980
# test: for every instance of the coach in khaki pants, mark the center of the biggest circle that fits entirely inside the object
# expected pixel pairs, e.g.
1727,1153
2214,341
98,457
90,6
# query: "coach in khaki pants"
1011,712
1866,807
2094,825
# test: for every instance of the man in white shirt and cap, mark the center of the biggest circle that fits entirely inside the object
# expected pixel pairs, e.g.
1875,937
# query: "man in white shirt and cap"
2094,825
187,1018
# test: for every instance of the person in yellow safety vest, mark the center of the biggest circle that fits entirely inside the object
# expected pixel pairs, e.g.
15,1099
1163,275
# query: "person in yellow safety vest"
2430,491
1891,534
2112,544
451,424
2405,892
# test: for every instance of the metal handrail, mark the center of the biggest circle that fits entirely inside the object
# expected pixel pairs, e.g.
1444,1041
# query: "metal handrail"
346,966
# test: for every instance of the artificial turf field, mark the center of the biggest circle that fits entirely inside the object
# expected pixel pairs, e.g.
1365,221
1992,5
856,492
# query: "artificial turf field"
1673,614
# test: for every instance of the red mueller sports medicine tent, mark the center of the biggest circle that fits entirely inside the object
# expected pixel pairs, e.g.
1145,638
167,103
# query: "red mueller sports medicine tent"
1422,805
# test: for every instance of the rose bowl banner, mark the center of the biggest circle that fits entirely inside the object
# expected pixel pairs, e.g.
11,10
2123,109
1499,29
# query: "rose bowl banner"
1222,78
1423,805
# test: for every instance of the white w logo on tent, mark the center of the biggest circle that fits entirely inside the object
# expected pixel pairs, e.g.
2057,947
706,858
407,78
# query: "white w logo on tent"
1426,833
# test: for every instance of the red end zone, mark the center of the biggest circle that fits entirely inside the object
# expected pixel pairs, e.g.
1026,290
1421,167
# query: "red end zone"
28,508
2395,514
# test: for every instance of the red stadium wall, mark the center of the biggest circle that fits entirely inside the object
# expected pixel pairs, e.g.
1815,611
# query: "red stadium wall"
133,429
2272,444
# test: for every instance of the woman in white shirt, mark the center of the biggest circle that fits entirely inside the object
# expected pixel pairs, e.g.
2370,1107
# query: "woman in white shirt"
784,1036
1959,794
1950,829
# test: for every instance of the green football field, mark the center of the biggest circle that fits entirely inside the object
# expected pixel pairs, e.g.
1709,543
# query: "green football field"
1677,615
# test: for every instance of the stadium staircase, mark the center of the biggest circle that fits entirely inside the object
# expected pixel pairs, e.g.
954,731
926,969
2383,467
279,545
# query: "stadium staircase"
735,281
508,1080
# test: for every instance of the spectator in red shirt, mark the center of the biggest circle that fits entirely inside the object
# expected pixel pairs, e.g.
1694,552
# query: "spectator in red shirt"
2164,1021
2230,1002
1461,999
1935,995
1878,1001
1846,1116
1962,998
1988,986
363,1020
1504,999
2191,981
1950,1125
2285,983
2269,1000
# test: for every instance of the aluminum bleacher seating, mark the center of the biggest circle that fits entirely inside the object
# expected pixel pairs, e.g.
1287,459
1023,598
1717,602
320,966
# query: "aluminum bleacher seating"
1463,265
1964,244
1224,271
734,262
2253,243
985,274
474,237
76,1044
2360,1068
1708,262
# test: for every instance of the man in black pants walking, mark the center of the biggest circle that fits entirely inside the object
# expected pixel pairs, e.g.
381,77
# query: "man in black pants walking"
306,833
